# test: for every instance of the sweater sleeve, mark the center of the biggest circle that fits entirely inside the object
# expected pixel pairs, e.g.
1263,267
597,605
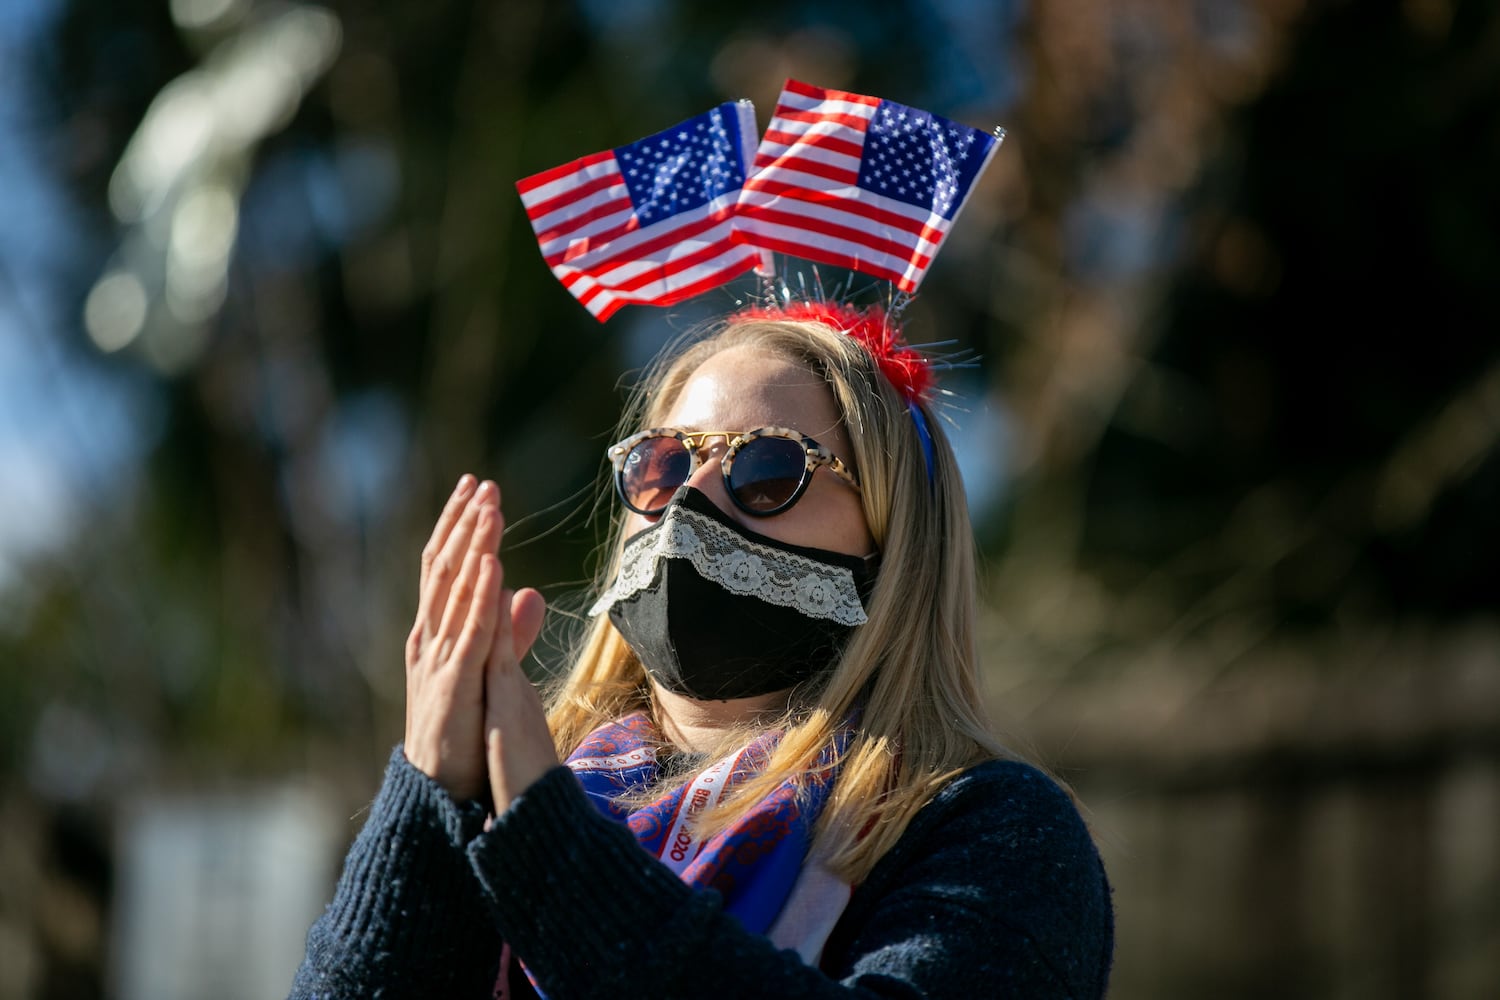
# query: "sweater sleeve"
407,919
994,890
997,875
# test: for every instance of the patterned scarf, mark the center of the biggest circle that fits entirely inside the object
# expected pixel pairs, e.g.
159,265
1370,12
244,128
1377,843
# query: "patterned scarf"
756,864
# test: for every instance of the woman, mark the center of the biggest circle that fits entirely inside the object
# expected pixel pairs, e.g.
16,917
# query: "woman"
777,699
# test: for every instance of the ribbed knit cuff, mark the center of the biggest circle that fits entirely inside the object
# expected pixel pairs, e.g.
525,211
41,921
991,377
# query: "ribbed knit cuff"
407,914
578,899
461,821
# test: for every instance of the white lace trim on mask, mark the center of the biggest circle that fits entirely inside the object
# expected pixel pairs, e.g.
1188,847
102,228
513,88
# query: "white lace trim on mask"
737,564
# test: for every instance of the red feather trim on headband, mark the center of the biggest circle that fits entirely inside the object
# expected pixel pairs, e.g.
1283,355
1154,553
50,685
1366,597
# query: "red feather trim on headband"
903,366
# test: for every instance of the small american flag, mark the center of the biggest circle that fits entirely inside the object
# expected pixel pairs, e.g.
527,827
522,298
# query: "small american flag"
859,182
648,222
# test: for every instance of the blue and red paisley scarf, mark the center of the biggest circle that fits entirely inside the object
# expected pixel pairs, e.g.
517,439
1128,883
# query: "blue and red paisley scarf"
758,865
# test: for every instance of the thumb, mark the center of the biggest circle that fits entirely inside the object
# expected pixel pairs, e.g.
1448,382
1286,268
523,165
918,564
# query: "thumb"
527,610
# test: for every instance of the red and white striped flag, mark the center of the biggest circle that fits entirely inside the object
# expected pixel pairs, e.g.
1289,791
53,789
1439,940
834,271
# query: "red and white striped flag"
859,182
649,222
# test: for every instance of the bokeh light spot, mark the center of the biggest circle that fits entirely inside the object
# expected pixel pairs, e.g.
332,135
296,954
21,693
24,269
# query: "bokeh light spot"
115,311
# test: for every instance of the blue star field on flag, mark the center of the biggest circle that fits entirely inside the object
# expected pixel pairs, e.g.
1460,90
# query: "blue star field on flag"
921,158
682,168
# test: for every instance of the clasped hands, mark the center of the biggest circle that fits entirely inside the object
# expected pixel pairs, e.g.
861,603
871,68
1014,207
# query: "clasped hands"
472,716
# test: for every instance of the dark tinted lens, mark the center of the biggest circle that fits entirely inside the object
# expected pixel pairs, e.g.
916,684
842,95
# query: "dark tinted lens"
766,473
653,471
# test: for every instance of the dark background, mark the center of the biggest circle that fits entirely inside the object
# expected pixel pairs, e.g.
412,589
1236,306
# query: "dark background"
265,292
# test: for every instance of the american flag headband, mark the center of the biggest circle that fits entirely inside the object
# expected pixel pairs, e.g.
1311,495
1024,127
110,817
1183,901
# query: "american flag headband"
838,178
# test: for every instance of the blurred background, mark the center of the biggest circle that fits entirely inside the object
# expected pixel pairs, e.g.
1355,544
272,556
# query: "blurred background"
1234,284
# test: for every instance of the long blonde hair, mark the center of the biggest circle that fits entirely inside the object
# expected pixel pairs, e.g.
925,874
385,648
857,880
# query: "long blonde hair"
911,670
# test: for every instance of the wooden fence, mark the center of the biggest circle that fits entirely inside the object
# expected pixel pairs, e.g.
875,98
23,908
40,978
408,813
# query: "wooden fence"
1311,817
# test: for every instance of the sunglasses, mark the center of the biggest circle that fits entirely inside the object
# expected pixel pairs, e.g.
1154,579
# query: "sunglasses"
765,471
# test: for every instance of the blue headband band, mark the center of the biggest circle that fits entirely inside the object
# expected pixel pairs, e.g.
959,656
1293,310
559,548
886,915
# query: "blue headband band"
924,436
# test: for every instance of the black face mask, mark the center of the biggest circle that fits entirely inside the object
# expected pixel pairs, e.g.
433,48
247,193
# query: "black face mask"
715,611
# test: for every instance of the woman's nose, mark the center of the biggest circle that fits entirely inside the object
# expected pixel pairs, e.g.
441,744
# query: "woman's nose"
708,478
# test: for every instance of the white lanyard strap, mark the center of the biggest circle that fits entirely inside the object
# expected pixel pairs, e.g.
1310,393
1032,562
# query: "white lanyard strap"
683,843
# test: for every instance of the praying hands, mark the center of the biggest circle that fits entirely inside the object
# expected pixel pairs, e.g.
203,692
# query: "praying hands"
474,721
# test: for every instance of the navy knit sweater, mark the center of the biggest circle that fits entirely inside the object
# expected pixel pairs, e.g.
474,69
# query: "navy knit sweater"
994,890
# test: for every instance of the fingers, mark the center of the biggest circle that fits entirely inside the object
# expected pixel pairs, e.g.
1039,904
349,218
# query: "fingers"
502,645
460,598
451,511
432,552
517,626
518,744
464,622
476,531
527,611
474,641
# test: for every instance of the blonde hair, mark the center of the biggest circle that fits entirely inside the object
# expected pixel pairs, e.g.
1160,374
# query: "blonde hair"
911,670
